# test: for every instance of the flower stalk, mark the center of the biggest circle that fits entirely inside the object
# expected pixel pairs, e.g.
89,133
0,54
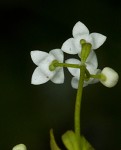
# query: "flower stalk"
55,64
77,114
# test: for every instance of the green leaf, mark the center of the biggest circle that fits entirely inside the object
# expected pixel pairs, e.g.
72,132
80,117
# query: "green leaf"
85,145
53,144
75,142
71,141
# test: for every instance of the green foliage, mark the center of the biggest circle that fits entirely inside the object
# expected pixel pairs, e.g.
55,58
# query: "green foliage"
74,142
53,144
71,141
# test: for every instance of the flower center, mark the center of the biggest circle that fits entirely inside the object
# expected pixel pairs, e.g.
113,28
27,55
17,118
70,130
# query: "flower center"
86,49
53,65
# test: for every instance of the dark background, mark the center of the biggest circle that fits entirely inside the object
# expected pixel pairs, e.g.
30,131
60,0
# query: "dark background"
27,112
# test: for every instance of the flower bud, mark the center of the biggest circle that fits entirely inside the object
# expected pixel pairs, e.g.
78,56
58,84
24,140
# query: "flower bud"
109,77
19,147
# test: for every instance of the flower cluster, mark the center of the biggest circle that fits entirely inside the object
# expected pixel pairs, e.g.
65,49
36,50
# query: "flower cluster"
50,65
84,71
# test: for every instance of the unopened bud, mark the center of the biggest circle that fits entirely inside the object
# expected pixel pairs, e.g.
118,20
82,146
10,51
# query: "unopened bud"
19,147
109,77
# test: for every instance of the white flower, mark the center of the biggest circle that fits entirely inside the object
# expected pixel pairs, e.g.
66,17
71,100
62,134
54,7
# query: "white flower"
19,147
91,65
110,77
80,31
43,60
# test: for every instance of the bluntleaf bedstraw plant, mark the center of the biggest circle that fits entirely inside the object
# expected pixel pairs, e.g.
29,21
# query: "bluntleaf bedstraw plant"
84,71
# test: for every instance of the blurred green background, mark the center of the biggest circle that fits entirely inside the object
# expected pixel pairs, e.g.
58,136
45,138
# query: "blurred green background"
27,112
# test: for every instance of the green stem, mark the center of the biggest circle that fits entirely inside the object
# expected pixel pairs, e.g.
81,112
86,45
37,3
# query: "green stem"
98,76
55,64
95,76
66,65
78,100
83,71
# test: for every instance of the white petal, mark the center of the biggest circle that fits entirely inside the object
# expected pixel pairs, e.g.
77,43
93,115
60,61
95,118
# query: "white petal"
77,44
98,40
79,29
74,82
37,56
44,66
91,81
73,71
58,54
19,147
58,78
69,46
42,73
39,77
92,62
85,84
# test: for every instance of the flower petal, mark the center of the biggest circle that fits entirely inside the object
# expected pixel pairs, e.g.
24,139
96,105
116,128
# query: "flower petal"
38,77
73,71
42,73
91,81
98,40
92,62
37,56
58,78
85,84
44,66
79,29
58,54
69,46
74,82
